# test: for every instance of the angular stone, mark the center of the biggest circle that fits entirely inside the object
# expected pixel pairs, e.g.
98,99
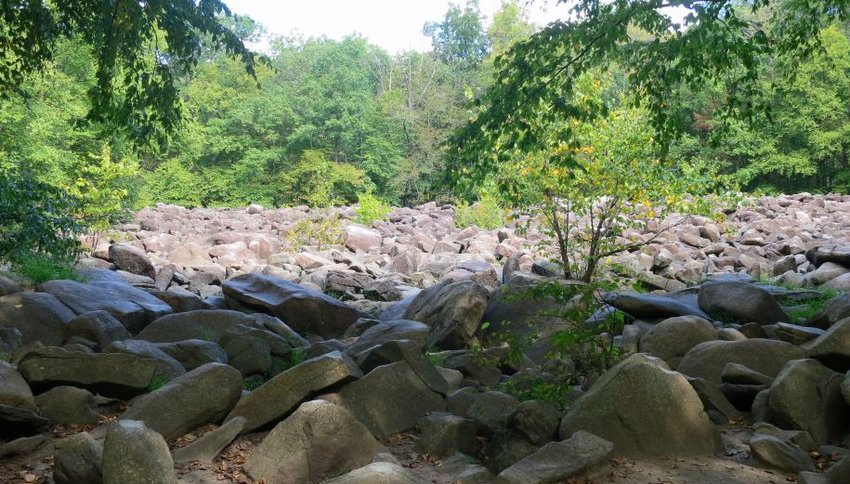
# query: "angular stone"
38,316
282,394
780,454
708,359
672,338
442,434
97,326
741,302
68,405
379,473
192,353
452,310
134,453
557,461
651,306
537,420
77,460
208,447
319,439
14,391
833,347
131,259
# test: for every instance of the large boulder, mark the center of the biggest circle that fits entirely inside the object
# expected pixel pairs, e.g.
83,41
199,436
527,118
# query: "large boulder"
282,394
14,391
644,409
807,396
740,302
38,316
68,405
133,307
453,310
192,353
653,306
707,360
379,473
390,399
360,239
557,461
77,460
833,347
134,453
306,310
385,331
131,259
672,338
110,374
202,396
99,327
839,254
318,440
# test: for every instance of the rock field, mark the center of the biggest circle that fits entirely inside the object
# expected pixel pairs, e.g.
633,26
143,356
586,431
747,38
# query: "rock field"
296,346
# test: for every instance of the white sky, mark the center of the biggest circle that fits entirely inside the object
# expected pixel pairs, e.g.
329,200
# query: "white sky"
395,25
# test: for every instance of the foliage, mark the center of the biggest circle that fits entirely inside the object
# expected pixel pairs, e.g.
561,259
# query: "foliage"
319,182
158,380
171,182
535,387
40,267
320,230
459,39
371,209
140,50
486,213
36,218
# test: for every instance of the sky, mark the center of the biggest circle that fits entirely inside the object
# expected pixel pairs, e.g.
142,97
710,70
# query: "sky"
395,25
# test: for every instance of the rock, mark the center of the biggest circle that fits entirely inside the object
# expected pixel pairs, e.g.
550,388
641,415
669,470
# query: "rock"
208,447
800,438
192,353
134,453
379,473
131,259
536,420
740,374
77,460
247,353
10,340
8,286
68,405
384,331
741,302
18,422
807,396
111,374
845,388
319,439
833,347
280,395
306,310
206,324
796,334
133,307
202,396
672,338
453,310
145,349
715,403
839,254
408,352
99,327
181,300
442,434
644,409
14,391
651,306
833,311
780,454
38,316
557,461
390,399
826,273
491,411
359,238
547,268
707,360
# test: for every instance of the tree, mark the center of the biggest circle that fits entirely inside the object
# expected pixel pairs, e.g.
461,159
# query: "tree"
538,76
140,49
459,39
510,25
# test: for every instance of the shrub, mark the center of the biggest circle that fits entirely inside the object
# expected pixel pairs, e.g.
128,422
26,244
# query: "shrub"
486,213
320,230
371,208
39,267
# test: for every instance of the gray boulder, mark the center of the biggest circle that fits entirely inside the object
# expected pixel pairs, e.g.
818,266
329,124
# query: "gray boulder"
131,259
672,338
77,460
644,409
208,447
780,454
807,396
202,396
192,353
537,420
319,439
134,453
144,349
833,347
740,302
384,331
652,306
491,411
557,461
14,391
379,473
442,434
68,405
99,327
282,394
452,310
833,311
38,316
306,310
839,254
707,360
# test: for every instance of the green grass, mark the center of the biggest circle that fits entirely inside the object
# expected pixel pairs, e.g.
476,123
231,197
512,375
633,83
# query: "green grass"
42,268
158,381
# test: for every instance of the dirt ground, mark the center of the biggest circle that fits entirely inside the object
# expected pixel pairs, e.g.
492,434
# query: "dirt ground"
733,467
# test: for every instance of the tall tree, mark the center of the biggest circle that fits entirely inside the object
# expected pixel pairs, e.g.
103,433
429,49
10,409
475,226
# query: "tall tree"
460,38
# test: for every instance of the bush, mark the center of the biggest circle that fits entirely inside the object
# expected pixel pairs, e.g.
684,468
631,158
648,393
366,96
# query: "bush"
42,268
321,230
36,219
319,182
371,208
486,213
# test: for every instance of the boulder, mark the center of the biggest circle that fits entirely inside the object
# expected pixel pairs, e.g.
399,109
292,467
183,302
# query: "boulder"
833,347
833,311
99,327
452,310
38,316
385,331
192,353
442,434
807,396
68,405
707,360
180,300
839,254
390,399
8,286
740,302
16,422
652,306
145,349
134,453
557,461
133,307
207,448
379,473
644,409
205,324
319,439
14,391
672,338
780,454
77,460
491,411
281,395
361,239
306,310
536,420
202,396
110,374
131,259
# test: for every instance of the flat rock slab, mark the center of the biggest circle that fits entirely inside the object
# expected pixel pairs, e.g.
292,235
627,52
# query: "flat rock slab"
707,360
651,306
207,448
38,316
740,302
305,310
557,461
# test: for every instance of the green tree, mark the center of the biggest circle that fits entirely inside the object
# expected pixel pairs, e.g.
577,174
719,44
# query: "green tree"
510,25
460,38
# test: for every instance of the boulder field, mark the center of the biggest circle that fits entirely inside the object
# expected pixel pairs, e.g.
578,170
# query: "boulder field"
203,346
